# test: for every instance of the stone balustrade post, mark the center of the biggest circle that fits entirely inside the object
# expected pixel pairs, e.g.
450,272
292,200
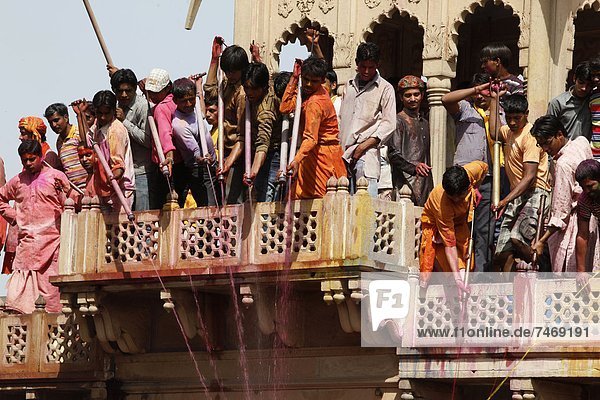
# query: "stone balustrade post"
328,243
170,230
362,224
94,244
68,239
341,218
81,240
407,232
37,334
437,87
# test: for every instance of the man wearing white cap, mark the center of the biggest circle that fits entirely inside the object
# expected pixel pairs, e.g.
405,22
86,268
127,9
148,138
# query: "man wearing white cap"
158,87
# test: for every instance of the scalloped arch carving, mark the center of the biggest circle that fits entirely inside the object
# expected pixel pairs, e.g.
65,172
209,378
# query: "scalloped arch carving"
585,5
290,33
524,25
389,15
472,8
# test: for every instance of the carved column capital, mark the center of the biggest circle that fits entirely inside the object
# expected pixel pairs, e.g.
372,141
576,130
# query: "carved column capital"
437,86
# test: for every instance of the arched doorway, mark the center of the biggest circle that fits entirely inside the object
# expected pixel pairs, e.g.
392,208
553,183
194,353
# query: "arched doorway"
587,46
292,39
401,39
488,24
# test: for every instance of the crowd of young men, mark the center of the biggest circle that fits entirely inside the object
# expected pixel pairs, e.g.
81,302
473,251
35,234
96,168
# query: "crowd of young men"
166,137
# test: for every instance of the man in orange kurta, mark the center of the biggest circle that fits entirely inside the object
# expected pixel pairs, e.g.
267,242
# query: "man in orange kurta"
320,154
445,221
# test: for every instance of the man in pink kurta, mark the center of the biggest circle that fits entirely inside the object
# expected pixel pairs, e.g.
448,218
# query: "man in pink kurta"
39,194
560,236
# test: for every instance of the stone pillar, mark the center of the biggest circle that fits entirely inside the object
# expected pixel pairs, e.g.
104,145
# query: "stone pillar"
564,39
242,28
541,61
438,86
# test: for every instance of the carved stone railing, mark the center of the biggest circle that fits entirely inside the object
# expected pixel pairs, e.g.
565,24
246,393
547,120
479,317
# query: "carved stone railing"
528,300
41,346
339,230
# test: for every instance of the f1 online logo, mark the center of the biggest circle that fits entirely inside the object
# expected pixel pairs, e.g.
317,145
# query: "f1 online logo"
388,300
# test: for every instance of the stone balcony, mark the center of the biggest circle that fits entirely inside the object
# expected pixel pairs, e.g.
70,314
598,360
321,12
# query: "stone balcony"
281,281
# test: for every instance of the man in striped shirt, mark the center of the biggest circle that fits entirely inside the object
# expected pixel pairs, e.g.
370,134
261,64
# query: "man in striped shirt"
588,204
66,143
594,105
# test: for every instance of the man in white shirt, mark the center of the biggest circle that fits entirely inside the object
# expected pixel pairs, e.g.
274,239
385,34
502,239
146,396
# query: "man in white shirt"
367,118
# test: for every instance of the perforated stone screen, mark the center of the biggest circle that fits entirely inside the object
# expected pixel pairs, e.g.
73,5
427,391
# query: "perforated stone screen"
385,230
572,308
127,241
16,344
273,231
209,237
65,345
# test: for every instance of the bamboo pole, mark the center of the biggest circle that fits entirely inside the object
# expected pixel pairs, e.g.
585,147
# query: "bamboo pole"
159,149
296,125
221,120
73,186
192,12
200,117
247,140
96,27
113,181
284,149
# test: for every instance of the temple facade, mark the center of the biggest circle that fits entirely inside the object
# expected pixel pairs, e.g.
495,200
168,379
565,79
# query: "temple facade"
263,300
438,39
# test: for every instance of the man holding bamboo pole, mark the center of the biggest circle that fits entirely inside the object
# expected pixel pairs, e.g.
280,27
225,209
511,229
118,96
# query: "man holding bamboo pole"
470,109
445,222
320,154
233,60
552,136
527,170
113,141
132,111
265,123
158,87
197,172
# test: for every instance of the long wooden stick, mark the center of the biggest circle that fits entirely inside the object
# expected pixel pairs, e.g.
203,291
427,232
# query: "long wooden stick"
73,186
539,229
200,117
296,126
470,250
113,181
496,153
284,150
90,14
221,120
159,149
247,140
192,12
